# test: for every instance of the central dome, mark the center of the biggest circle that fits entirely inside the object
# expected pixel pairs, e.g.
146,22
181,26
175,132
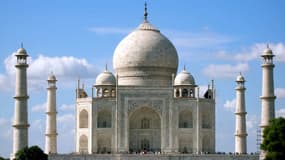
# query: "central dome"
145,58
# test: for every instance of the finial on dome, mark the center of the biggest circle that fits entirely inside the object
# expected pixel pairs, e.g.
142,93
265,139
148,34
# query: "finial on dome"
267,45
22,46
145,11
106,67
184,68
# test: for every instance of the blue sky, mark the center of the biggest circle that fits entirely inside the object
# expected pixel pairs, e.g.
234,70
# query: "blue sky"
214,39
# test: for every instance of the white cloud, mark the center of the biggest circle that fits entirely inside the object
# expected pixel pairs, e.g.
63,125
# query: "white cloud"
39,107
3,121
67,107
280,113
230,105
252,122
66,68
224,70
38,125
66,131
66,118
199,40
253,52
5,128
280,92
110,30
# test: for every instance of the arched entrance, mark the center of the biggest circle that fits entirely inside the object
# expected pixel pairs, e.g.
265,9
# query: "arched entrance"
144,130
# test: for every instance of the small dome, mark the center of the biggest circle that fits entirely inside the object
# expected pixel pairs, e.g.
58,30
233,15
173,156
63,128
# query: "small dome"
51,77
22,52
105,78
240,78
184,78
267,51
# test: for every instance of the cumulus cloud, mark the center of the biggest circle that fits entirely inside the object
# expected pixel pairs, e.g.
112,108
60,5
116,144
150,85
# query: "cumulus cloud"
253,52
66,118
280,92
39,107
230,105
198,39
6,134
252,122
224,70
66,68
66,133
67,107
109,30
280,113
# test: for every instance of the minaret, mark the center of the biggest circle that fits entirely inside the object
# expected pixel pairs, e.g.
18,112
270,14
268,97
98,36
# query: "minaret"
267,97
51,134
20,123
240,135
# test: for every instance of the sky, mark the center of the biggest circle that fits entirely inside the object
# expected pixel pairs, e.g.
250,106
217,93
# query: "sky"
75,39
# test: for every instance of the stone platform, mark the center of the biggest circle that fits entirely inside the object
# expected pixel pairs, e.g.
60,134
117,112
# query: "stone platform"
151,157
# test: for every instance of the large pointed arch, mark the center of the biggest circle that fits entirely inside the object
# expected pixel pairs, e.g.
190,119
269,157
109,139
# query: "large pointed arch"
144,130
83,119
104,119
83,144
185,119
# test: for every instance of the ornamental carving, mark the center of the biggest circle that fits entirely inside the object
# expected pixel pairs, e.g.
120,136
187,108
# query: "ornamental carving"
154,104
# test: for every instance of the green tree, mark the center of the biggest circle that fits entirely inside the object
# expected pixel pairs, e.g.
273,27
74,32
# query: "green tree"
274,140
32,153
1,158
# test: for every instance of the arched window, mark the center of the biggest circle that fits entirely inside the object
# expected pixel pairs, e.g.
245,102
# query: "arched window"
185,144
106,93
206,144
185,119
206,120
177,93
83,119
184,93
83,144
99,92
104,144
145,144
104,119
113,93
191,93
145,123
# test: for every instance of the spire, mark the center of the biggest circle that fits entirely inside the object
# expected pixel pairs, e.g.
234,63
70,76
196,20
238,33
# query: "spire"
22,46
106,67
145,11
184,68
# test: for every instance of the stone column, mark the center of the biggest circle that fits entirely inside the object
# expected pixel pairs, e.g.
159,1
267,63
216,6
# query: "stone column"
240,135
20,123
51,134
267,97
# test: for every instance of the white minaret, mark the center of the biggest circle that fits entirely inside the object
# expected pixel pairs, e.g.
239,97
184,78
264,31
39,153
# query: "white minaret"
51,134
267,97
20,123
240,135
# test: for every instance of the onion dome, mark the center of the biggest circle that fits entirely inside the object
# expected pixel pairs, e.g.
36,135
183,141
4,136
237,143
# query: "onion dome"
240,78
51,77
267,52
145,57
21,51
105,78
184,78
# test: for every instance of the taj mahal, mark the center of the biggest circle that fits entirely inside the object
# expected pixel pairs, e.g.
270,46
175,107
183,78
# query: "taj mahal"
145,106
